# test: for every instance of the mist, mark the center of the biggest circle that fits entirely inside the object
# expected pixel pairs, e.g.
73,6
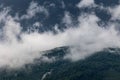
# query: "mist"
18,48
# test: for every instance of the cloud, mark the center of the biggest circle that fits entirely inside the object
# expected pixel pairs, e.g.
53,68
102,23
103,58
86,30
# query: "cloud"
85,3
63,4
96,37
33,9
67,19
89,38
115,11
18,48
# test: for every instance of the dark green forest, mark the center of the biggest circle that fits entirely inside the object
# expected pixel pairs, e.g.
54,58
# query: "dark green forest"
104,65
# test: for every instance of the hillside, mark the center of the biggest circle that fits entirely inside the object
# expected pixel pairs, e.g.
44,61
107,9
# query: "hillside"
104,65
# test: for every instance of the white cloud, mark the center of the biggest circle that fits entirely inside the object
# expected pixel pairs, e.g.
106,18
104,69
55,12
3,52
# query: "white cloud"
85,3
115,11
63,4
33,9
89,38
15,52
67,19
85,39
4,13
38,24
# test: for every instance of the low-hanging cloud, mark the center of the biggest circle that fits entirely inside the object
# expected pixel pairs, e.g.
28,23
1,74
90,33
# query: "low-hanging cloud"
89,38
18,48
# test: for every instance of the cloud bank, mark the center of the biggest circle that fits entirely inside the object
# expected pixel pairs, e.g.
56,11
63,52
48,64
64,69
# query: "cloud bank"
18,48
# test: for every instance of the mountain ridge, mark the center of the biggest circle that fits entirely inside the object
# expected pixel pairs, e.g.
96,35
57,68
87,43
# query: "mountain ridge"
98,66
